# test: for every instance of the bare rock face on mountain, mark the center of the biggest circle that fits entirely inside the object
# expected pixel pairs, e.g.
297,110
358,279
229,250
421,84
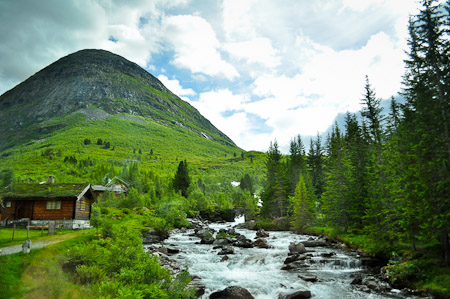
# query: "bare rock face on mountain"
98,79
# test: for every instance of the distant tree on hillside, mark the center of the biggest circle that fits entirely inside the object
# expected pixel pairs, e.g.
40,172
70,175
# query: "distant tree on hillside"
246,183
181,181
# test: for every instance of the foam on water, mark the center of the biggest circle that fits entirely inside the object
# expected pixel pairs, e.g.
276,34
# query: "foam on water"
259,270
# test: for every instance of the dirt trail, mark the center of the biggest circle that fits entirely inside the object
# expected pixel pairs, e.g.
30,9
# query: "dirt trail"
38,243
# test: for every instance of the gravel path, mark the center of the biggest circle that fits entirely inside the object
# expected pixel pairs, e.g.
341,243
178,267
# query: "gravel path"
37,244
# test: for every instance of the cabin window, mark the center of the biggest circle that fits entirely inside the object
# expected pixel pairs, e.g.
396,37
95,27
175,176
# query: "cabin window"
8,204
54,205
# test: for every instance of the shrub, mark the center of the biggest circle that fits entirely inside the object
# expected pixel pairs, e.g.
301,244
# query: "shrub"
89,274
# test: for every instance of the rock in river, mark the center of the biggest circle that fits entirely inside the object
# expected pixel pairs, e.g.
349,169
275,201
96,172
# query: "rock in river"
233,292
296,295
296,248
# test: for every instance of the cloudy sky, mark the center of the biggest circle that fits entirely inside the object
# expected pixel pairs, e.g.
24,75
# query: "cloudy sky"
259,70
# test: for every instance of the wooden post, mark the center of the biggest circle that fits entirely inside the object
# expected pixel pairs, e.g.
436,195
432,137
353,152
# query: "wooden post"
14,229
28,230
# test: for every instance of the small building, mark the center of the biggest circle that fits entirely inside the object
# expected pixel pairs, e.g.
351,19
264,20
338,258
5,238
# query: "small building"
67,204
115,185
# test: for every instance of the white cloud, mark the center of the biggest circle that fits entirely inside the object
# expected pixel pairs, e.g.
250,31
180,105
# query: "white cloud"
258,50
196,46
175,87
298,64
238,22
35,34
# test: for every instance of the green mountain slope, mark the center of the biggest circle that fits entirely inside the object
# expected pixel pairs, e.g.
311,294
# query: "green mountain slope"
51,123
94,79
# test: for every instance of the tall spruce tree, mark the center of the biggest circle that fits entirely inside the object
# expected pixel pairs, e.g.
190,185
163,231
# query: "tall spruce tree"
182,180
303,206
426,121
274,195
296,163
356,147
316,165
335,199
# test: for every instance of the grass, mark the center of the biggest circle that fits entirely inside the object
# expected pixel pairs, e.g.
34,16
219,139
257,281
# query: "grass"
11,269
45,278
20,235
41,156
39,274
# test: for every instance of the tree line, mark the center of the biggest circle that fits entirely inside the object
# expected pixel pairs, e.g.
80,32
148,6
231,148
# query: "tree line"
388,175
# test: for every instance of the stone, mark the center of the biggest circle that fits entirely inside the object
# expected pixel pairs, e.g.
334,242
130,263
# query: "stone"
375,284
316,243
26,246
261,243
357,280
231,232
296,295
226,250
225,258
233,292
172,250
197,285
297,248
251,225
243,242
207,238
308,277
262,234
221,242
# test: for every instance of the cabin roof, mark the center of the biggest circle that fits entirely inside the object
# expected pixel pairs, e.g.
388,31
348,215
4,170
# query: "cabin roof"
46,191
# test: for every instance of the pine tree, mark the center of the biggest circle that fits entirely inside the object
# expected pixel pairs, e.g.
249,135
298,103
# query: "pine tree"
316,165
303,206
182,180
274,195
356,147
296,163
426,121
246,184
335,199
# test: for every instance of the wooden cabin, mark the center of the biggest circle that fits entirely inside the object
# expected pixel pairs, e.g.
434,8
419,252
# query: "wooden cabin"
44,202
115,186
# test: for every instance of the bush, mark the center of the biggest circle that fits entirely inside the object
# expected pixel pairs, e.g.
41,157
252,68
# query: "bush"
118,267
89,274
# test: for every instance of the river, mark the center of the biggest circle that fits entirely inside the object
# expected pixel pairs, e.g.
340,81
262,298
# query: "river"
259,269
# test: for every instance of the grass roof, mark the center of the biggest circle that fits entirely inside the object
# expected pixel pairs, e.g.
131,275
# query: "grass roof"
22,191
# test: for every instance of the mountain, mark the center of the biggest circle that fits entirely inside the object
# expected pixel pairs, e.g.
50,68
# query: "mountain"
340,121
97,83
93,115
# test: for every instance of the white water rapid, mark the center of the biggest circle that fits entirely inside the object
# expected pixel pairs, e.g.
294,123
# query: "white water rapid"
259,270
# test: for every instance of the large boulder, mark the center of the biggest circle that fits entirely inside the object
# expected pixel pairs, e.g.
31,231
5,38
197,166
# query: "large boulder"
296,248
261,243
243,242
154,236
294,257
221,242
207,238
226,250
315,243
233,292
296,295
262,234
251,225
196,285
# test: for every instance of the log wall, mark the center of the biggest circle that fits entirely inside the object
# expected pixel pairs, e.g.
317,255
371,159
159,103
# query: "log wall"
41,213
83,209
